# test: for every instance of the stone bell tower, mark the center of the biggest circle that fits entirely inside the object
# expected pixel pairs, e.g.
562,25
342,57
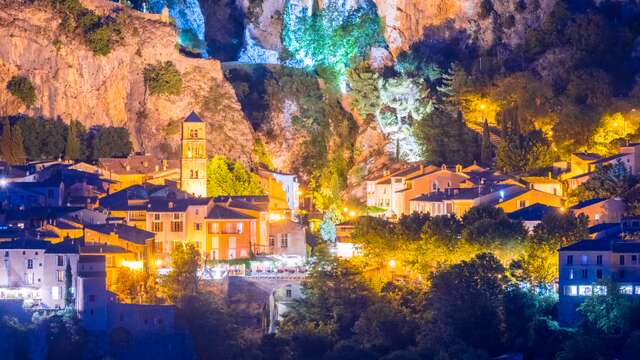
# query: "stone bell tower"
193,165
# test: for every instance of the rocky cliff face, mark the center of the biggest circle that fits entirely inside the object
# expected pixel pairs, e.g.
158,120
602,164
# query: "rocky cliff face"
72,83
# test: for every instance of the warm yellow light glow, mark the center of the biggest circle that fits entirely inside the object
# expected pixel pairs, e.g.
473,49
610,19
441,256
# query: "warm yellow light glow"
275,217
392,263
352,213
345,210
483,106
299,192
133,265
562,209
158,262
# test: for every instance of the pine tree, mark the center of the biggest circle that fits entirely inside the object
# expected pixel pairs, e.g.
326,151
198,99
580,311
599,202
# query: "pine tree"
486,151
68,284
6,143
72,147
17,146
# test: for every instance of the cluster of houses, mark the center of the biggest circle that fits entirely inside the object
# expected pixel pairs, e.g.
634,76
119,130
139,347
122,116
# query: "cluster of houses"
453,190
132,213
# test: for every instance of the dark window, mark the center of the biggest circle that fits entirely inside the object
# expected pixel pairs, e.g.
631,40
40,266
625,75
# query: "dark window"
289,293
60,260
621,274
569,259
29,264
6,254
121,317
599,273
92,298
91,311
599,259
634,259
621,259
584,273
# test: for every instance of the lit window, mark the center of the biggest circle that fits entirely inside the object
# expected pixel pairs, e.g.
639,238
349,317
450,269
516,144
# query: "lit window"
30,278
584,260
572,274
585,290
571,290
60,274
239,228
637,290
626,289
197,226
55,292
176,223
599,290
284,241
243,253
214,228
157,225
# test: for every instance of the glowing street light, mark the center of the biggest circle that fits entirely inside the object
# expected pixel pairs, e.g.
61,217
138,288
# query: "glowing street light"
392,263
345,210
4,182
352,213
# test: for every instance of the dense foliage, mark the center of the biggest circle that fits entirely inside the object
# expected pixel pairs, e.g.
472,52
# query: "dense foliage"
52,139
21,87
330,38
163,79
225,177
100,33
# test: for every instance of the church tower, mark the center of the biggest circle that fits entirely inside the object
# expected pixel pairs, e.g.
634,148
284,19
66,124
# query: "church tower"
193,166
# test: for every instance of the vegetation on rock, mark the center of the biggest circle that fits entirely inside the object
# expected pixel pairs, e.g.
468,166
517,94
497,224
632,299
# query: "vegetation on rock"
163,79
21,87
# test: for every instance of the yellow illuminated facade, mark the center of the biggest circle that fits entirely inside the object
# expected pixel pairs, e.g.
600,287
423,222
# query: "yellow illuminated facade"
193,166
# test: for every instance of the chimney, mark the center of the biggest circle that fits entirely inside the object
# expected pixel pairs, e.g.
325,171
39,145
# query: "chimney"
165,165
422,168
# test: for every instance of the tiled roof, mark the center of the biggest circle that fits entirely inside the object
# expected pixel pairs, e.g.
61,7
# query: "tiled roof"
68,246
541,180
193,117
584,204
604,245
602,227
102,249
137,164
535,212
223,212
587,156
610,158
24,244
460,193
125,232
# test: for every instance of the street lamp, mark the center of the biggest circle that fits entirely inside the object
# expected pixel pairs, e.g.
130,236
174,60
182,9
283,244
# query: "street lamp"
392,266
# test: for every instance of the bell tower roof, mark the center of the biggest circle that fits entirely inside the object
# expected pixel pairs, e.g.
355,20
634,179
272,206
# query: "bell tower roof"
193,117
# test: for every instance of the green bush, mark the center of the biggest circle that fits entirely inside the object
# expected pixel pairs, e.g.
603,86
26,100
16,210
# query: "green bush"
163,79
22,88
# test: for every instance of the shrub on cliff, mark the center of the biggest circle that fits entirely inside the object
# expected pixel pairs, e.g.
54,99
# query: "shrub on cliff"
22,88
163,79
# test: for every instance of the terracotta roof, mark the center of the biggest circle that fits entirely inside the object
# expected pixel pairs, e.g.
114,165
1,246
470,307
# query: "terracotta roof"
124,232
541,180
24,244
610,158
137,164
223,212
102,249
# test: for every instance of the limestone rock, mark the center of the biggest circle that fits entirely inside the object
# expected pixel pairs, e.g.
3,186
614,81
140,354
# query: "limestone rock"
73,83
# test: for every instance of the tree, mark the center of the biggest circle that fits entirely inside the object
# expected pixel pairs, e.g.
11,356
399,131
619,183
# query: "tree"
72,147
110,142
524,153
610,180
464,298
163,79
21,87
225,177
328,226
17,145
486,150
68,284
607,312
444,138
365,92
183,280
6,143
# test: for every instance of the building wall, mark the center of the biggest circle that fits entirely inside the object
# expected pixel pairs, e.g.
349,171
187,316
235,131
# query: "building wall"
141,320
529,198
92,294
442,179
287,238
14,271
229,242
53,286
605,212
